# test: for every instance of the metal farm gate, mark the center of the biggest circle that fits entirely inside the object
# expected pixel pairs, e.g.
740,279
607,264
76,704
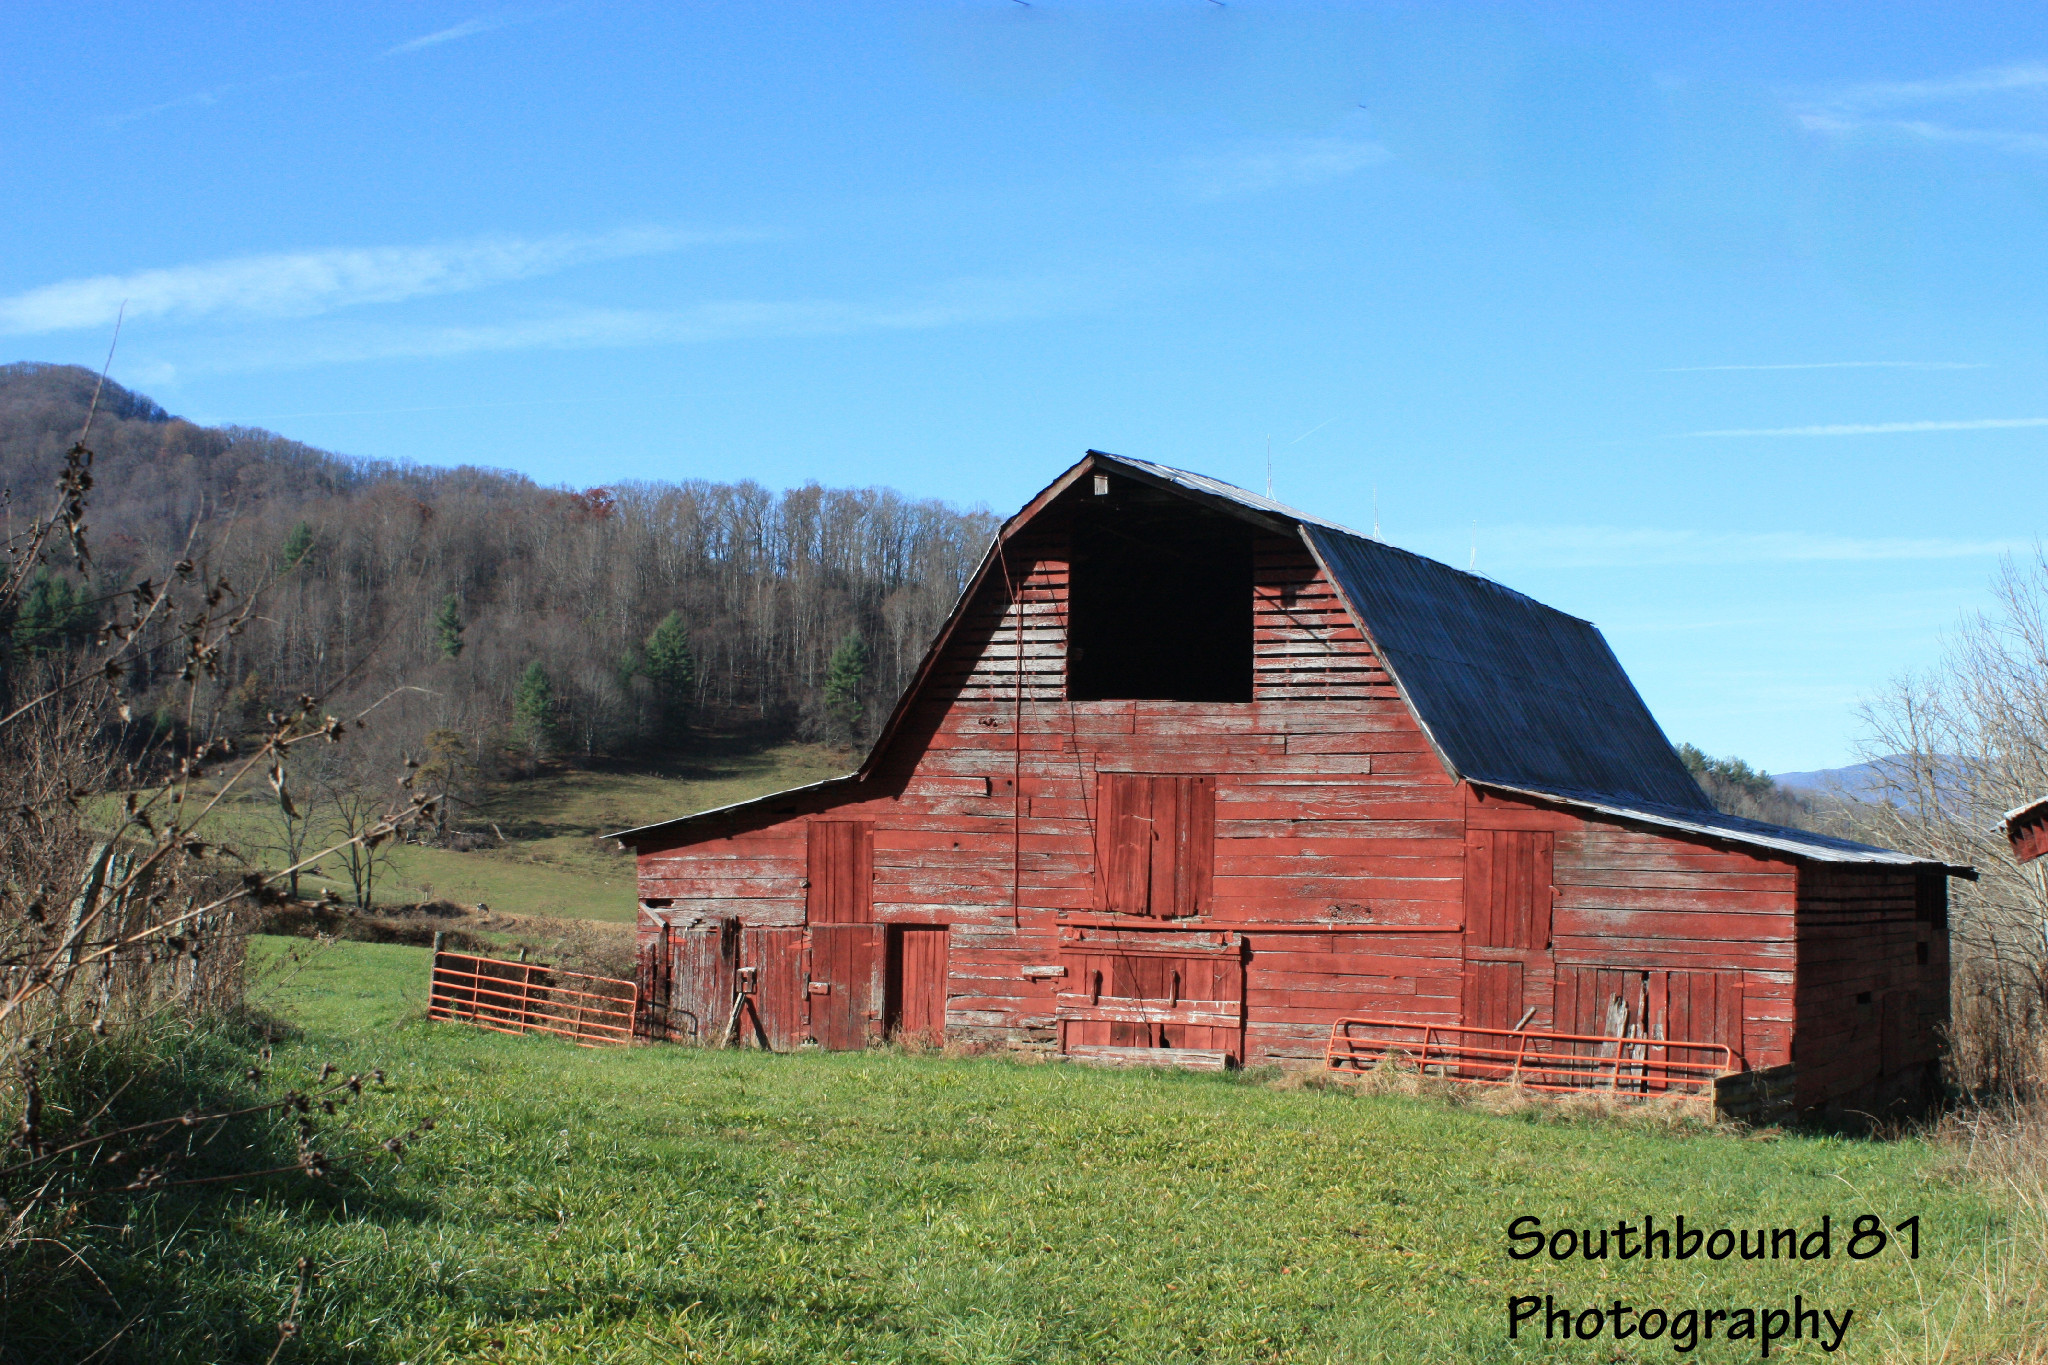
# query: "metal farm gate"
530,997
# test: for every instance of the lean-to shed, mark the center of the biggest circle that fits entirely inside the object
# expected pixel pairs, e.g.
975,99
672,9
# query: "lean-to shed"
1190,774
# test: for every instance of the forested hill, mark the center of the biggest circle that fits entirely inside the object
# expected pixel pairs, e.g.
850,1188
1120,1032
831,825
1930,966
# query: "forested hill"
460,581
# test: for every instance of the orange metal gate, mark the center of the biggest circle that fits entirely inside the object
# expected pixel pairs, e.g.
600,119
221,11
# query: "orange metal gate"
1564,1063
527,997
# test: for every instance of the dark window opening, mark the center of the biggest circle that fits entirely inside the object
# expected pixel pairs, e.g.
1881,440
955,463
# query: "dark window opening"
1161,600
1863,997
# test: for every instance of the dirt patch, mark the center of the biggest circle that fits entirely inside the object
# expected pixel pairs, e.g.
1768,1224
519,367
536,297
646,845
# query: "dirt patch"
580,945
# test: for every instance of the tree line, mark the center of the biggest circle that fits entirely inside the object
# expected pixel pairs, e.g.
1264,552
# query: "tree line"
511,621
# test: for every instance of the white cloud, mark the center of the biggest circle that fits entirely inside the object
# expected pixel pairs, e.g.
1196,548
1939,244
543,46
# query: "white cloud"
1588,547
301,284
1832,365
468,28
1882,428
1991,80
1254,167
1898,109
963,302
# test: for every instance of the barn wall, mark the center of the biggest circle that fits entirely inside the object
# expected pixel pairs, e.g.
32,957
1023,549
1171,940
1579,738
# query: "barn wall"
1332,814
1870,1009
1633,900
1330,807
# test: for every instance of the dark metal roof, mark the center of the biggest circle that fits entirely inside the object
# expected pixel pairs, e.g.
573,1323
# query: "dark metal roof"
1824,848
1511,691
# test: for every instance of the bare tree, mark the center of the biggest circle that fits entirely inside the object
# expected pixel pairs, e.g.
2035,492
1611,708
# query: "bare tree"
1954,748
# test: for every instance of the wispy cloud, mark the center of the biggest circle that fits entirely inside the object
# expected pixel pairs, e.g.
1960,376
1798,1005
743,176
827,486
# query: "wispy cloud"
962,302
198,99
1255,167
1926,111
1590,547
1990,80
468,28
301,284
1882,428
1833,365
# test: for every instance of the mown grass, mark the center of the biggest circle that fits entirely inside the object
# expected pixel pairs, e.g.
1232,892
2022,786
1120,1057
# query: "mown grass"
551,860
665,1204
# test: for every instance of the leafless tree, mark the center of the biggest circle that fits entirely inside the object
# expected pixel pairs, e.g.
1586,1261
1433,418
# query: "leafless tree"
1953,749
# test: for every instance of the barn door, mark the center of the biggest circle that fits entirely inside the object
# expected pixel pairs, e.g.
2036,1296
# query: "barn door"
777,1010
1507,924
846,985
1183,1004
1158,843
703,971
839,872
1640,1009
916,984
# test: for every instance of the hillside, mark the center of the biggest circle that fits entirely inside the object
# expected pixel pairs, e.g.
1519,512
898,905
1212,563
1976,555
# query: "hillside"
453,593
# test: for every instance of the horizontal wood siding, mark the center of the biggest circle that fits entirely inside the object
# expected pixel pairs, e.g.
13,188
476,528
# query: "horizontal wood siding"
1869,1010
1634,899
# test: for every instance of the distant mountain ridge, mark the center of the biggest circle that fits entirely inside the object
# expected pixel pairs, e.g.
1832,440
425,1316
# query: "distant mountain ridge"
1859,781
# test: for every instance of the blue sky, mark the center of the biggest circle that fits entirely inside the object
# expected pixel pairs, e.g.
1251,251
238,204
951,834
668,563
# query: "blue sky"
1719,326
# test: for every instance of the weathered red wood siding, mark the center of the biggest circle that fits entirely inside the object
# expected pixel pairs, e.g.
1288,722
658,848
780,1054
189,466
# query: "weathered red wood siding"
1333,817
1873,986
1633,899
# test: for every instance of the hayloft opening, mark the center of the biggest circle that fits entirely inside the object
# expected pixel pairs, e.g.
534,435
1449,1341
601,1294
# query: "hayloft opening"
1161,599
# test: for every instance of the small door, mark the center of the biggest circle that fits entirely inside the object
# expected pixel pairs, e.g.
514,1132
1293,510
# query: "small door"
1158,850
840,872
776,1012
1507,888
1653,1006
917,982
1493,994
1507,926
845,987
1120,995
703,972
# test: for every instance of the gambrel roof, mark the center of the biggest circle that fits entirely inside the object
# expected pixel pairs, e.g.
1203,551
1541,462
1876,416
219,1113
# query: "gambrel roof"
1512,694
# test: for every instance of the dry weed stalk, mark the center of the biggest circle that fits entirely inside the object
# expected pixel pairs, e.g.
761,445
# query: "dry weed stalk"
117,904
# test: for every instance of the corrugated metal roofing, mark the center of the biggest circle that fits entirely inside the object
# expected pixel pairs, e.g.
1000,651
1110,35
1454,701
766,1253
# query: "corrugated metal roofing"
1510,690
1754,833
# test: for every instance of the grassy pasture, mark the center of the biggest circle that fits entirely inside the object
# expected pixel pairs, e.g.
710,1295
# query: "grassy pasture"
551,861
665,1204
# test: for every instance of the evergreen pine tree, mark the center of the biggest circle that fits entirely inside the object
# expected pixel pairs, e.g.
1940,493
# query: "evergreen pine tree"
845,680
448,626
672,669
533,705
52,616
298,544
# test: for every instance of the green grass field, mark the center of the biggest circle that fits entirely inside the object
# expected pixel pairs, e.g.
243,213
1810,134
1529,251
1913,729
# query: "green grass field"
552,862
666,1204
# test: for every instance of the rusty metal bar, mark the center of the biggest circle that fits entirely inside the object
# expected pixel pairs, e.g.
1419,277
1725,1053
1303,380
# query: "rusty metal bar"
1533,1058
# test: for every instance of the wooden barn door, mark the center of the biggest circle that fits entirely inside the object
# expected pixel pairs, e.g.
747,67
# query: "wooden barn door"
1183,1004
703,972
1507,923
846,943
916,985
777,1014
1631,1003
845,986
1158,844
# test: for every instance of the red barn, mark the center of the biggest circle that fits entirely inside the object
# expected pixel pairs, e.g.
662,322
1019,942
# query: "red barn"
1188,775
